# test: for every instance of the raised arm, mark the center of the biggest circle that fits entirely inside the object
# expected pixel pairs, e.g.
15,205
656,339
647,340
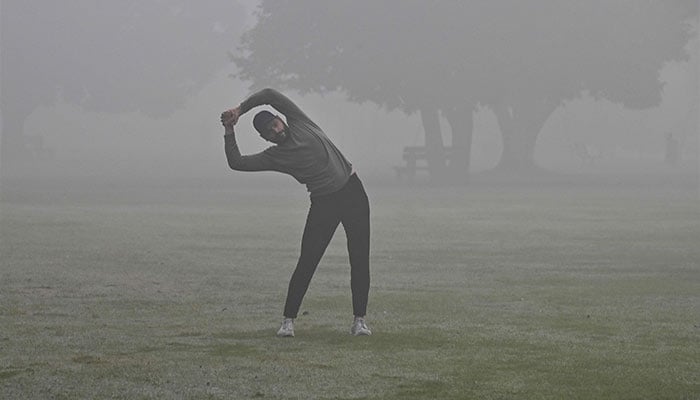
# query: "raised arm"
270,97
255,162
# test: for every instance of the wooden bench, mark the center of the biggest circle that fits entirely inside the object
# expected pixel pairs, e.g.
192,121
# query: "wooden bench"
416,159
588,154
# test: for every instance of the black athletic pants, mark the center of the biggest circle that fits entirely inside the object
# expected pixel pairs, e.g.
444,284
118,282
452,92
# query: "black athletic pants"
350,207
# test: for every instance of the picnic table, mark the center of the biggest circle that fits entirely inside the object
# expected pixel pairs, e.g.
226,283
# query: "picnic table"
416,159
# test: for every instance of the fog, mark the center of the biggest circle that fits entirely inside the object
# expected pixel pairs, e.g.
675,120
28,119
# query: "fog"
150,108
543,244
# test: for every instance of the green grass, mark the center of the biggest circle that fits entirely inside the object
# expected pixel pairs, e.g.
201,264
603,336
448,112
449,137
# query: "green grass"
485,294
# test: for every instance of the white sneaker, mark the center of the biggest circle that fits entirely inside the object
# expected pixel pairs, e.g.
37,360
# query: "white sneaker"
287,328
359,328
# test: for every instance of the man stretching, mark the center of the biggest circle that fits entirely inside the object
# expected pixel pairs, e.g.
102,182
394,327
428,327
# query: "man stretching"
302,150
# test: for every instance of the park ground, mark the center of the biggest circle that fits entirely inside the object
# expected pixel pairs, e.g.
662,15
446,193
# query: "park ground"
482,291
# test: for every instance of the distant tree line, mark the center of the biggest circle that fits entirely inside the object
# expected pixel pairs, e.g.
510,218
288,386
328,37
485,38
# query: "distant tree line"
122,56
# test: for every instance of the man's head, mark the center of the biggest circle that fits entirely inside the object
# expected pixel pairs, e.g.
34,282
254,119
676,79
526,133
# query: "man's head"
271,127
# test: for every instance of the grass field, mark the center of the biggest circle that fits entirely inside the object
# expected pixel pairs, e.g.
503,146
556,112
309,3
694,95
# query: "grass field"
484,294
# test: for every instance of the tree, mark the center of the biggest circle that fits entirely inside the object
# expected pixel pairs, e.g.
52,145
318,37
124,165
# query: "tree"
347,46
107,56
521,59
612,50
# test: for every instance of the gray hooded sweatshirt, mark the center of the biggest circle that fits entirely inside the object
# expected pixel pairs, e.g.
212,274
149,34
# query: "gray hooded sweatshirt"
307,154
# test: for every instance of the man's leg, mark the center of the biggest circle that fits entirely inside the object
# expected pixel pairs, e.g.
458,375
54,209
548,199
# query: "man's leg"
321,223
357,229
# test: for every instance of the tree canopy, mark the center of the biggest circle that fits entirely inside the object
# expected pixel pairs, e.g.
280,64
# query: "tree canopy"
522,59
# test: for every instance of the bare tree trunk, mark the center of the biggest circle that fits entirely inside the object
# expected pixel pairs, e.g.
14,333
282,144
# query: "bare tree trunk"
434,147
520,125
461,120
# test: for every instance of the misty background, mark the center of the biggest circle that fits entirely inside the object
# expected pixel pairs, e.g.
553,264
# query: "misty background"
134,89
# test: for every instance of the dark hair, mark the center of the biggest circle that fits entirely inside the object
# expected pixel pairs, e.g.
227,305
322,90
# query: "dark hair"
262,120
